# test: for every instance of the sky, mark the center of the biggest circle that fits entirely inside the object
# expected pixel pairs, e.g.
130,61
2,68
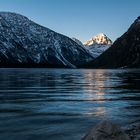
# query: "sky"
81,19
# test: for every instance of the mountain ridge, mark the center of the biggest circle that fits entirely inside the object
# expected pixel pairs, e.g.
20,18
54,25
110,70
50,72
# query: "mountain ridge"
124,53
98,44
100,39
24,42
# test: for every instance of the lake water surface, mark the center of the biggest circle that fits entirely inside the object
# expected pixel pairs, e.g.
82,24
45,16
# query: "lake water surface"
63,104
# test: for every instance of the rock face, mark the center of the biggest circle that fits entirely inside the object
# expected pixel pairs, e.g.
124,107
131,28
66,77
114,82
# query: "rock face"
25,43
98,44
106,131
124,53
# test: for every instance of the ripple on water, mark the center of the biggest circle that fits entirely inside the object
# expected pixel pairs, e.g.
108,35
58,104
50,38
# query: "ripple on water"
65,103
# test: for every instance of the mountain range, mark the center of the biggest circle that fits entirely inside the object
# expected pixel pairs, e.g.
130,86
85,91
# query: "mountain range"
124,53
24,43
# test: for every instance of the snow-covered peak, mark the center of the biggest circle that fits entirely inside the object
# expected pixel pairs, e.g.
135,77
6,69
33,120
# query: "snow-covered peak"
98,44
13,17
100,39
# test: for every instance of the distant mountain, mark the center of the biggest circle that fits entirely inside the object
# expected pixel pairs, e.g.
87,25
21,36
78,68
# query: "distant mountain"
124,53
101,39
98,44
78,41
24,43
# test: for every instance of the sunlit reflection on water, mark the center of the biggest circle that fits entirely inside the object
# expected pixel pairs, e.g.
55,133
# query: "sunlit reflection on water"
51,103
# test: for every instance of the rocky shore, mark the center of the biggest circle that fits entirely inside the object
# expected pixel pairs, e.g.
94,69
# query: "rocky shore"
107,130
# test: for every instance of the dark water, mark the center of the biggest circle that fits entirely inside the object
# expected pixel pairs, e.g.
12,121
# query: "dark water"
63,104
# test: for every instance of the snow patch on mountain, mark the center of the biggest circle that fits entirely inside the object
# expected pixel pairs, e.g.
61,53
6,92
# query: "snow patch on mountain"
24,41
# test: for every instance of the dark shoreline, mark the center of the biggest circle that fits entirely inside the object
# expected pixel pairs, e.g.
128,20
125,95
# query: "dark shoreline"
133,132
108,130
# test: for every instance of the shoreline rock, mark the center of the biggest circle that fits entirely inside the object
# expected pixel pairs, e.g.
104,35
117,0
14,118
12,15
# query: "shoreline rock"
107,130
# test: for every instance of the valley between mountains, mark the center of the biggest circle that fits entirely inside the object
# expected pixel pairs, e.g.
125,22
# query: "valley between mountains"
24,43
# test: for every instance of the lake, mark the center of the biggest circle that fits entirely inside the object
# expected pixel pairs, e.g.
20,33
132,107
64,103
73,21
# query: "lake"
63,104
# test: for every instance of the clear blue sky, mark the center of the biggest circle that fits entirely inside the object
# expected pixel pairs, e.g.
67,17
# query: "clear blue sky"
78,18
